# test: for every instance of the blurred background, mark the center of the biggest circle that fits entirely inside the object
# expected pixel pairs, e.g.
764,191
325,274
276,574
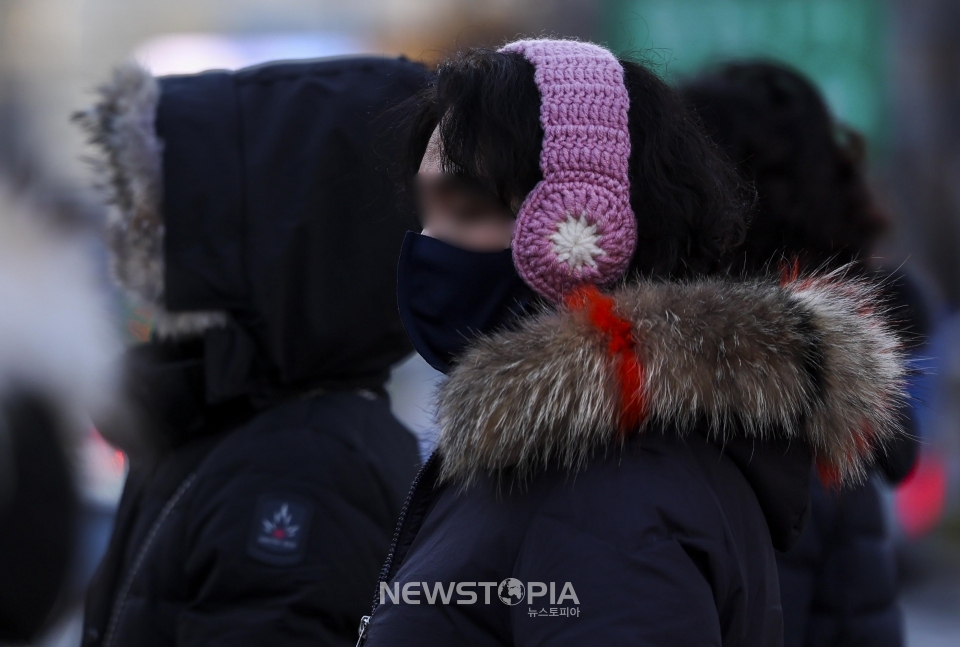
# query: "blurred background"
889,68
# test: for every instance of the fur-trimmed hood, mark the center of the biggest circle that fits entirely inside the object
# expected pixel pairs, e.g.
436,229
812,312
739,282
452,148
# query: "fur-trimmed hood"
251,210
811,359
122,124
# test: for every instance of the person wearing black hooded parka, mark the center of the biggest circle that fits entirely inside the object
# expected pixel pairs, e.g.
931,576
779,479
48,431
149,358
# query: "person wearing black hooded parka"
253,213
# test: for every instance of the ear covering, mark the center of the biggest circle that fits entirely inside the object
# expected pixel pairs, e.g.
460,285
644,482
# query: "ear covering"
577,227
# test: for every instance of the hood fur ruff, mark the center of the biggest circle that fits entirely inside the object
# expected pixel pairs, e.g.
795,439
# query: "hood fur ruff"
813,359
122,125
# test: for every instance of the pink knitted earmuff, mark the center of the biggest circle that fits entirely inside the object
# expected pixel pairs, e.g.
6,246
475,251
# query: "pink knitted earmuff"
577,227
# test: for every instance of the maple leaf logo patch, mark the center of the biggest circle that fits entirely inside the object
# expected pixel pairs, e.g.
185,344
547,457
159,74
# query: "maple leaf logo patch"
280,527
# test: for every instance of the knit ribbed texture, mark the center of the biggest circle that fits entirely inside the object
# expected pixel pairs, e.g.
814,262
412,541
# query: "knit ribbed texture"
577,227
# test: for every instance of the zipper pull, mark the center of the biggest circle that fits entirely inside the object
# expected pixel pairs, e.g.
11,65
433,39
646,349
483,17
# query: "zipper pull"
364,623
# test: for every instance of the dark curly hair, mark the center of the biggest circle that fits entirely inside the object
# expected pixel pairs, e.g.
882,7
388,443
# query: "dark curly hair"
688,200
814,204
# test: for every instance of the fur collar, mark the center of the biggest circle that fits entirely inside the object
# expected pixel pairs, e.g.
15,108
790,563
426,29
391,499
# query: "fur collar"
811,359
122,125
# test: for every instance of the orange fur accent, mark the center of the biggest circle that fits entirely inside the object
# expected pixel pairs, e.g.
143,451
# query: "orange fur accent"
621,348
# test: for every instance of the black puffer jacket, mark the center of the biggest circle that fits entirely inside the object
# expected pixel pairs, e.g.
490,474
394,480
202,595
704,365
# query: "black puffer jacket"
263,527
840,583
269,472
536,523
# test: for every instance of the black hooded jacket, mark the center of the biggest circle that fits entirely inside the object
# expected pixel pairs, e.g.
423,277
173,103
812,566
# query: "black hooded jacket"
255,214
537,522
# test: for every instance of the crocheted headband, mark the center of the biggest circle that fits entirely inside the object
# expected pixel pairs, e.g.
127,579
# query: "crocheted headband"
576,226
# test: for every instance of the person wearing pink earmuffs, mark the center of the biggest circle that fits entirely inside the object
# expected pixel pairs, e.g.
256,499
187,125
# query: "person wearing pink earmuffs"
625,435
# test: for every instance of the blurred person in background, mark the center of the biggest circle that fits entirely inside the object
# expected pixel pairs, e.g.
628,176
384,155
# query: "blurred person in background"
624,435
251,211
57,347
815,209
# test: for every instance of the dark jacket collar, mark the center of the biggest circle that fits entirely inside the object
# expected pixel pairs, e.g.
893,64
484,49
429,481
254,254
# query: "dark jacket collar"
779,473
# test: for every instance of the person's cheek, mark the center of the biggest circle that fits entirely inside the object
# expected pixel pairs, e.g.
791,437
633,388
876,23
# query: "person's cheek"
434,221
494,234
442,226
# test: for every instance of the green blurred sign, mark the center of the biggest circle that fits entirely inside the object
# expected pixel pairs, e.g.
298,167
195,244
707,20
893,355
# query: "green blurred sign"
839,43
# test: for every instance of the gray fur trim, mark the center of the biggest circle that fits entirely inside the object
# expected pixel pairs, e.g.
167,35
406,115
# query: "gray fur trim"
814,360
122,125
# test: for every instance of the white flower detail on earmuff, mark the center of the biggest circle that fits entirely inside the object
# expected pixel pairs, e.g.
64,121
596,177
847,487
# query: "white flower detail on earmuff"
575,242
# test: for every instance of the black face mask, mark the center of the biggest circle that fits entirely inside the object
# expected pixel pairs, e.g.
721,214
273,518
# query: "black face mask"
449,296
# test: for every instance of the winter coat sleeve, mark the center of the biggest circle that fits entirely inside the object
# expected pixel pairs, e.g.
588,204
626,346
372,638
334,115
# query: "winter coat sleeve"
283,552
650,595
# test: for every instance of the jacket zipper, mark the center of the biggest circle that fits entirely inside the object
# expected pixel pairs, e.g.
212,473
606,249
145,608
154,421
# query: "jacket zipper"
385,572
124,593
